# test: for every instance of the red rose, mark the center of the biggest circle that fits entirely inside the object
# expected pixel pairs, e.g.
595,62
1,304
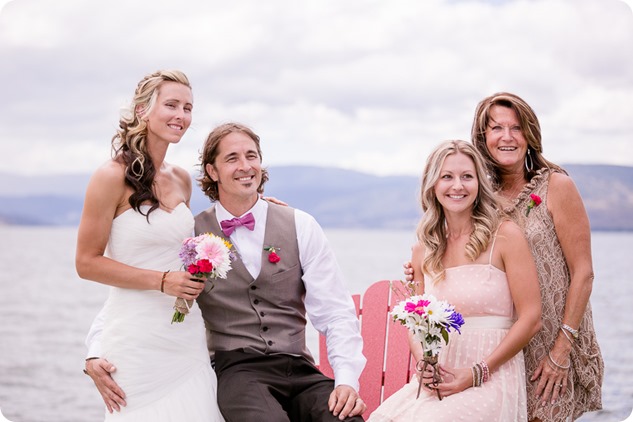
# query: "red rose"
273,257
536,199
205,266
193,269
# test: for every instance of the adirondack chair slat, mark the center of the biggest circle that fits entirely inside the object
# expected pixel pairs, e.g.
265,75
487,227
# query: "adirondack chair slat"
385,346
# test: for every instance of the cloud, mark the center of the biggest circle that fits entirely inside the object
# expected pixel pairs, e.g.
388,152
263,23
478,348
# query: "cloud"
366,85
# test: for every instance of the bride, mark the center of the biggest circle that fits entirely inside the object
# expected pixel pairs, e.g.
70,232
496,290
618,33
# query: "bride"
136,214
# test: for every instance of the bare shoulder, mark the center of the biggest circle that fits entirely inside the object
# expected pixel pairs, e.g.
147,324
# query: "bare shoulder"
111,174
417,249
562,193
182,176
180,172
107,191
561,184
509,227
509,231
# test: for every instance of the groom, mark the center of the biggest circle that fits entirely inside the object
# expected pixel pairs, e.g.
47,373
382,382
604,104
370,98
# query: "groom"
256,318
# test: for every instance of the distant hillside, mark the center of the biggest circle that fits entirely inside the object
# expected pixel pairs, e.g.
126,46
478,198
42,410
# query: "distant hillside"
336,197
607,192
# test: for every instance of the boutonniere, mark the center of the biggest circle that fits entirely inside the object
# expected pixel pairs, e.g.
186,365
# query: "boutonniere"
272,254
535,201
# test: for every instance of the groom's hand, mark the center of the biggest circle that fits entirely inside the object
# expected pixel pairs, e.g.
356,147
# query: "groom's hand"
100,371
345,402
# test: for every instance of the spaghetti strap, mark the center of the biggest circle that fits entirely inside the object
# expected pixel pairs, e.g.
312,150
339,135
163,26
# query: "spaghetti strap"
492,248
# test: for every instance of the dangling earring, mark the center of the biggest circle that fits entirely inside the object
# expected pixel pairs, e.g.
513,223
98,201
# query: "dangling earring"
529,167
137,167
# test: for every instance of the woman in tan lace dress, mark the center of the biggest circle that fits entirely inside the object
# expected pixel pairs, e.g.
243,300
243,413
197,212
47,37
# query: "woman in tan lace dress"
564,366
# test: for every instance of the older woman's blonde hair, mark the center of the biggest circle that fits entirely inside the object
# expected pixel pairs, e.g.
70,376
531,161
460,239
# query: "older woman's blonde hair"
432,230
530,128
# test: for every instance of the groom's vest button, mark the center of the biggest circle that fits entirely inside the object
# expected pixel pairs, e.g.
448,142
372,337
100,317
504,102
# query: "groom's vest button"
256,301
270,342
253,287
264,328
262,313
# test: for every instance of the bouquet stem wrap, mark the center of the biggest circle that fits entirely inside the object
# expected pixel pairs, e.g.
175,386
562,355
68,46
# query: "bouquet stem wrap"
181,307
422,365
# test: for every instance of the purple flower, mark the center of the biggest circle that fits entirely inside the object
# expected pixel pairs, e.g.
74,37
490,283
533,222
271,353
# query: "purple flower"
455,320
188,252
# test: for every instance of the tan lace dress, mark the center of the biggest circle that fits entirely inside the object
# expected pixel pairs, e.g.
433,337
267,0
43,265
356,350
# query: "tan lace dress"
587,366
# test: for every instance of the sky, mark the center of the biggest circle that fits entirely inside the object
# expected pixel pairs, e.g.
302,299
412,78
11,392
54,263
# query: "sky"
367,85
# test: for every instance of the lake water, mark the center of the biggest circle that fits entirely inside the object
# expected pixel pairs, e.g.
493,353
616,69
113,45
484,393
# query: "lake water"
47,310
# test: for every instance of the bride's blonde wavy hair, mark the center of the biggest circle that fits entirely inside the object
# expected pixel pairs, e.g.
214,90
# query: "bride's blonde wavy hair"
129,144
431,231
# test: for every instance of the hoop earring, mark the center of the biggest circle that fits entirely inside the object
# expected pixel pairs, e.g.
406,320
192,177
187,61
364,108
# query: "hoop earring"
529,167
137,167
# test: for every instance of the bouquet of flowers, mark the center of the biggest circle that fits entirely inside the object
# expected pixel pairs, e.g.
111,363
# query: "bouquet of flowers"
207,256
429,320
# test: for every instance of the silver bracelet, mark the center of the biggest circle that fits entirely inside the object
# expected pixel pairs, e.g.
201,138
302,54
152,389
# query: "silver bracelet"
562,330
574,333
549,355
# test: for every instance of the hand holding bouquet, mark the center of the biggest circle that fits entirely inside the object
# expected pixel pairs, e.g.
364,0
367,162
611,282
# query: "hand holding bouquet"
429,320
206,256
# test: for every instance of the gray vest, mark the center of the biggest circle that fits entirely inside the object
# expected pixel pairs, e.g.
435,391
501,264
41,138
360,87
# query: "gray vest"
266,314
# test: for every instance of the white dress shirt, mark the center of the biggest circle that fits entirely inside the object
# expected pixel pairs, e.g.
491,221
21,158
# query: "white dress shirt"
328,303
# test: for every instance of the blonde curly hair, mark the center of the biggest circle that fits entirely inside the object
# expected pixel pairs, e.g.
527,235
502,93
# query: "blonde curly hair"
431,231
129,144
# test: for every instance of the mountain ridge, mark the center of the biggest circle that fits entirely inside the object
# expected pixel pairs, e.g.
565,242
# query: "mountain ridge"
335,197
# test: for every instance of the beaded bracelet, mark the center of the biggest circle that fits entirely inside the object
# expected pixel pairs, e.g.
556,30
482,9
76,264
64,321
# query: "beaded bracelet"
574,333
162,282
556,364
477,375
486,371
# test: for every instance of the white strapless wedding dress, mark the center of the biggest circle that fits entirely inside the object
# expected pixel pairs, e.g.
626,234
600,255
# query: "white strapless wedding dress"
163,368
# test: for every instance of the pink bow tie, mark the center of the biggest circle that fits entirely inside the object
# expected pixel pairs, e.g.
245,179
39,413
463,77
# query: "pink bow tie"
229,226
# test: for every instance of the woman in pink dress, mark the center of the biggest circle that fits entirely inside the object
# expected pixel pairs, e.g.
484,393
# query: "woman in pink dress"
563,361
480,263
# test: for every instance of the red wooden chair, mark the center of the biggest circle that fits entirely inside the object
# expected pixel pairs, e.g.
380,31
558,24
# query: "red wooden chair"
386,346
